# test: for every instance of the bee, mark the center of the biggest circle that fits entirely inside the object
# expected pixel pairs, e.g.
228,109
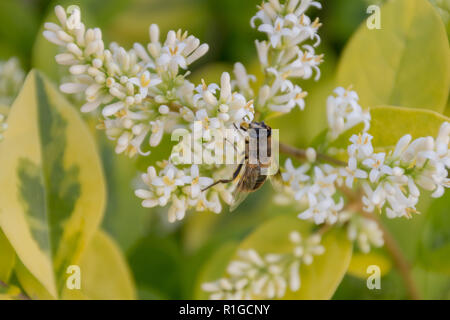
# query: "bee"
252,172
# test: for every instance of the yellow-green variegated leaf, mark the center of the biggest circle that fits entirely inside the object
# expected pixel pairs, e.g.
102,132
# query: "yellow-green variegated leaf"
53,191
7,258
34,288
319,280
390,123
405,63
105,274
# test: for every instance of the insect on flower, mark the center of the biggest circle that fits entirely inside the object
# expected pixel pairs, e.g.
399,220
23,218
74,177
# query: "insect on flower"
256,166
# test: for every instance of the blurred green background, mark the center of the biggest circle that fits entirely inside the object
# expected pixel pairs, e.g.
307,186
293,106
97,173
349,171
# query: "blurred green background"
166,259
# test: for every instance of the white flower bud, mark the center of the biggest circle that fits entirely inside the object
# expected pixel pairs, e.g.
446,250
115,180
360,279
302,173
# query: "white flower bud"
52,37
311,154
78,69
71,88
62,35
97,63
225,87
163,109
154,33
61,15
198,53
73,48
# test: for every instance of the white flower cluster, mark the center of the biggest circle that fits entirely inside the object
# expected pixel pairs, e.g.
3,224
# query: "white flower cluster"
142,90
182,189
143,93
344,112
268,277
315,188
11,80
365,232
285,55
390,181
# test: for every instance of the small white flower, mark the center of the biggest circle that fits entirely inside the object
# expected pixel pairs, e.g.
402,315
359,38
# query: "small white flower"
205,90
177,209
295,176
352,172
167,183
144,82
377,166
361,146
344,112
195,182
275,31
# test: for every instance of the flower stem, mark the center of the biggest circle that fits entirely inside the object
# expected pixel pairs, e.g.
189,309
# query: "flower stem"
301,155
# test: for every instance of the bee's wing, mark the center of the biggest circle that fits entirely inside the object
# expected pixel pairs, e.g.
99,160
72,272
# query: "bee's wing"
247,182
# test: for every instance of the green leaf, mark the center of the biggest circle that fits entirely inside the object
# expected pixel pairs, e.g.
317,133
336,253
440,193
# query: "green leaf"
405,63
105,274
431,285
7,258
53,191
434,247
390,123
156,263
18,29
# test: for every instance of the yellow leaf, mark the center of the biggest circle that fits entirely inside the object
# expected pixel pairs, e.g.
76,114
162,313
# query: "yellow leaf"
32,286
53,191
7,258
104,272
390,123
405,63
360,262
4,110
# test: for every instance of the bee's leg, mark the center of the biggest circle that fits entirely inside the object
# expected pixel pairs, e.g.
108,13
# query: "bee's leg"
235,174
239,129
